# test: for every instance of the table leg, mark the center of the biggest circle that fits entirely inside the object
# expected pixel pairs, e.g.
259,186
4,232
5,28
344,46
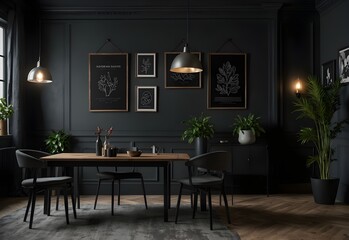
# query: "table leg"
203,201
169,184
166,206
76,187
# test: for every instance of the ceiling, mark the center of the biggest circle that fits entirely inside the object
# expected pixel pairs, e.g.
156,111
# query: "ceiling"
44,4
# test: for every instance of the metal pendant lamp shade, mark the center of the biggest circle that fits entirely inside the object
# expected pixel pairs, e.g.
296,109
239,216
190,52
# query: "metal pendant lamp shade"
186,62
39,75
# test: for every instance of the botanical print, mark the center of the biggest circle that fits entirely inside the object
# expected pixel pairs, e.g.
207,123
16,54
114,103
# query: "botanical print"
227,87
182,77
146,65
146,98
343,63
108,82
227,80
107,85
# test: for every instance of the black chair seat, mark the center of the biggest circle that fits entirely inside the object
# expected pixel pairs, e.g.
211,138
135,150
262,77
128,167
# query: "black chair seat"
47,181
203,180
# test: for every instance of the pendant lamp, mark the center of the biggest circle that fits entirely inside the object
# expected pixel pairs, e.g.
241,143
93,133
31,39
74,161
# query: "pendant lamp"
39,74
186,62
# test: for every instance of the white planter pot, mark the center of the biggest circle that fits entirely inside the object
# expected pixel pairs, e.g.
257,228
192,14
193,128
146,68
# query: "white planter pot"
246,137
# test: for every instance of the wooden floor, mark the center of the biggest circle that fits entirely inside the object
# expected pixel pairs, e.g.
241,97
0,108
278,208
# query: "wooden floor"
276,217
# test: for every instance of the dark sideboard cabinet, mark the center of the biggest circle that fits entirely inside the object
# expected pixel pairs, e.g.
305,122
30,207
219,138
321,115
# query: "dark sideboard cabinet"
250,167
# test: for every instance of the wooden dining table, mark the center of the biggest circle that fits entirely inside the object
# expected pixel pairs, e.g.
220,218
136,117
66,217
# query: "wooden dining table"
145,160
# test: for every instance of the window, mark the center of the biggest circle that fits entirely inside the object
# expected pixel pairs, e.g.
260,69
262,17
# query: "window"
2,61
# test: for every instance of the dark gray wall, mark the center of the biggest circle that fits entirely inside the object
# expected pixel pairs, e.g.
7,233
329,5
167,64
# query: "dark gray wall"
334,36
278,49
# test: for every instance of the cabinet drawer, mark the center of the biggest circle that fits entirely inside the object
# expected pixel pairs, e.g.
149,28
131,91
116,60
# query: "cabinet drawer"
249,160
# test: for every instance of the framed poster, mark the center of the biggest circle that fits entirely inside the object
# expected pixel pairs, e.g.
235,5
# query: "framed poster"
146,65
108,82
227,86
343,63
180,80
328,72
146,99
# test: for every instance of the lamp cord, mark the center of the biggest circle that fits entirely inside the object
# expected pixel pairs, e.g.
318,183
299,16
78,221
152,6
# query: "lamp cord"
39,40
187,23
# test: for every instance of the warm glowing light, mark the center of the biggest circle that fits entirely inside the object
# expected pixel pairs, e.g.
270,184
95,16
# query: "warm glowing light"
39,76
298,86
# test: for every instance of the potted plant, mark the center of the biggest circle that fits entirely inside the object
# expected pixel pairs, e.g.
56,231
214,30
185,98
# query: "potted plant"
199,129
319,103
6,111
57,142
247,128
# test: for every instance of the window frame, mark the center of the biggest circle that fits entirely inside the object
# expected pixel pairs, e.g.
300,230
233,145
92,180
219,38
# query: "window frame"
3,25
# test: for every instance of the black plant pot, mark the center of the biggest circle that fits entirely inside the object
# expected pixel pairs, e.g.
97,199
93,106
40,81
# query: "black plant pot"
325,190
200,145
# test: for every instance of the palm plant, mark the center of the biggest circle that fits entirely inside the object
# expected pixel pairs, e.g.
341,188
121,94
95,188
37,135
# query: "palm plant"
319,103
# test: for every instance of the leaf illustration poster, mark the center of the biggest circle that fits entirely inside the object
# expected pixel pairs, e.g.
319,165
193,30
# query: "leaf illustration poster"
108,82
227,88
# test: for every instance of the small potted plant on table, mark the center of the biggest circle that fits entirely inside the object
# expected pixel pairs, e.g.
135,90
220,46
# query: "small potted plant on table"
57,142
6,111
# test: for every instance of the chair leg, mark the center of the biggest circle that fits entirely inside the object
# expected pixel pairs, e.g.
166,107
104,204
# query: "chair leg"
226,204
28,206
195,203
99,185
179,201
66,204
48,210
210,206
145,197
32,209
119,191
112,197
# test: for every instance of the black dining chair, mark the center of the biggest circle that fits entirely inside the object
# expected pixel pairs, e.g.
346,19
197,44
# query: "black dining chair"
116,175
30,161
215,163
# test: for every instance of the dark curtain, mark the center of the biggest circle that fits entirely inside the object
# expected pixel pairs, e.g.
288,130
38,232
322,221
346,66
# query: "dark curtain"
15,73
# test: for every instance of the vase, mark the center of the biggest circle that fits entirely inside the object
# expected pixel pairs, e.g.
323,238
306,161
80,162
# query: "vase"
246,137
325,190
3,127
200,145
98,146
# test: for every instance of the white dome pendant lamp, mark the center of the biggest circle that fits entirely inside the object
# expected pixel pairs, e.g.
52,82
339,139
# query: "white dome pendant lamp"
39,74
186,62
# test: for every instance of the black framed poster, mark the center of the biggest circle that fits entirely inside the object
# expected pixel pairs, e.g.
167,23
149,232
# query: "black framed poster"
180,80
227,87
108,82
146,98
146,65
343,64
328,73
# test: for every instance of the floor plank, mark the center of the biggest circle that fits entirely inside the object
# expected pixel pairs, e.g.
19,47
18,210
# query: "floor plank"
254,217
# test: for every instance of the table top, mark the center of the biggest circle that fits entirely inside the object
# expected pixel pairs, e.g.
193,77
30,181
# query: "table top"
120,157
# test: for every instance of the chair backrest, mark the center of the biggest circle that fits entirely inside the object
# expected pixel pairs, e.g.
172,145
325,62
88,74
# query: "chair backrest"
27,158
216,161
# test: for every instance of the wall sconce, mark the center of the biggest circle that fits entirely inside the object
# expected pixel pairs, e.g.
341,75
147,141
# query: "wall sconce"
298,88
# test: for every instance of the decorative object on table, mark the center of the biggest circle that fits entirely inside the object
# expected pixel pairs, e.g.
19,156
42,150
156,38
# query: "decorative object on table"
199,129
108,82
343,63
146,98
106,144
99,144
319,103
248,128
328,71
146,65
132,153
227,85
57,142
6,111
180,80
